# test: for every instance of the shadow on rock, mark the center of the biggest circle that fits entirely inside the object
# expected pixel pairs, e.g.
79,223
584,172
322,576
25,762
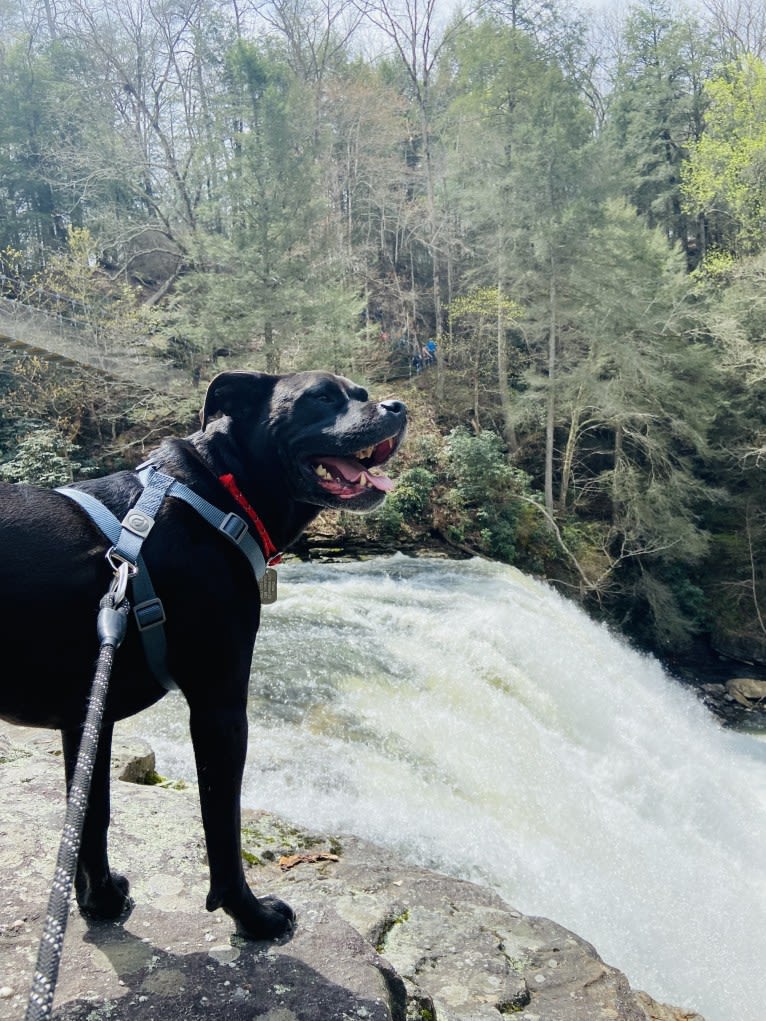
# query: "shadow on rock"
257,981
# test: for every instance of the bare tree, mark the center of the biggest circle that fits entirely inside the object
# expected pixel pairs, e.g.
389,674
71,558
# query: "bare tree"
740,25
153,75
317,32
413,30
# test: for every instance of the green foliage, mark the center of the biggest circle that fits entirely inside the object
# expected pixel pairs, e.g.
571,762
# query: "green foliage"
221,191
412,495
485,303
662,610
733,309
478,466
43,457
109,316
655,112
261,289
483,506
724,175
409,504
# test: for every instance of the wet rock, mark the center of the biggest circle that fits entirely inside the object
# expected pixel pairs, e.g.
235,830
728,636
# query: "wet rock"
748,692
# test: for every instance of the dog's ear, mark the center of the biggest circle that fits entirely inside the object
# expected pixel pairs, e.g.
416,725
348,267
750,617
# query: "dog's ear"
237,394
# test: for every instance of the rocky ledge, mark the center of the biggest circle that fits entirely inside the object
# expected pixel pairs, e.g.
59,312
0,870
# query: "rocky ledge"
376,939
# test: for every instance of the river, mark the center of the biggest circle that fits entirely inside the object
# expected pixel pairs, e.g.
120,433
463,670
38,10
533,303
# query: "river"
479,723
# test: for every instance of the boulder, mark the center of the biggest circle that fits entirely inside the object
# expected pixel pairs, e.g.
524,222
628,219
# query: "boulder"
133,761
748,691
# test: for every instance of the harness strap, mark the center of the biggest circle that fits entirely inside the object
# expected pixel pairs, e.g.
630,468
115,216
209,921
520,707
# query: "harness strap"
230,525
148,611
127,537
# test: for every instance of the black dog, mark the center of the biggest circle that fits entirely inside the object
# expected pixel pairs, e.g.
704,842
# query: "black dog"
273,450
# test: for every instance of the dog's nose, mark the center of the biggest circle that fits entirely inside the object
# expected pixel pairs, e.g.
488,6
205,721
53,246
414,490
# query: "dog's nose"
395,407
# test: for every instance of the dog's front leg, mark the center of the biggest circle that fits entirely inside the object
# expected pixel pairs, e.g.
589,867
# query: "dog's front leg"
100,892
220,747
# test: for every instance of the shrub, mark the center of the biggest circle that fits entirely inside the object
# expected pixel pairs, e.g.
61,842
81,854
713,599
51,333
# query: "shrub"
43,457
484,502
409,503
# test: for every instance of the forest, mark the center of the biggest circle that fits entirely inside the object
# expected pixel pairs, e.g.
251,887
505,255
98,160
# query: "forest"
542,226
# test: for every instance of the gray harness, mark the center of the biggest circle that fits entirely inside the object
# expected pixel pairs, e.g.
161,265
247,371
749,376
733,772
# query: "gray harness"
127,537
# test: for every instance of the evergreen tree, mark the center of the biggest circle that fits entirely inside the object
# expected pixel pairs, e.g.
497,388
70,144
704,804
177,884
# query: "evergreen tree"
262,287
655,113
46,117
522,186
642,408
731,304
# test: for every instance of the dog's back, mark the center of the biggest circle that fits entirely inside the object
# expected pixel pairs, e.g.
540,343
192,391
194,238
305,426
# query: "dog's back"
49,595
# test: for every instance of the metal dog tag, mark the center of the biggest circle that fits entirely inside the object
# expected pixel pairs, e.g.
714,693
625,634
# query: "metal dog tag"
268,586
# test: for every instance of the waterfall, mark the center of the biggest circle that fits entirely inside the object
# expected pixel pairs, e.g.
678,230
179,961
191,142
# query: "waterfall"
477,722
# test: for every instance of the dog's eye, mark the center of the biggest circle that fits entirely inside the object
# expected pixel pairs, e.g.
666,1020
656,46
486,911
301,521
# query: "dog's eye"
324,397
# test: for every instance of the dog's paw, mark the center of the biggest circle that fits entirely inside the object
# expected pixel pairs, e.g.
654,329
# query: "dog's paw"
281,914
264,918
108,899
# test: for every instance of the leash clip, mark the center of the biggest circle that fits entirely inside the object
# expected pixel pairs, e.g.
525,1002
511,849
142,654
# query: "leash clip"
122,572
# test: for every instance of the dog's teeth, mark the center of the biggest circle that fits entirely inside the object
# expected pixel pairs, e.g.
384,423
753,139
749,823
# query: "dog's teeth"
360,455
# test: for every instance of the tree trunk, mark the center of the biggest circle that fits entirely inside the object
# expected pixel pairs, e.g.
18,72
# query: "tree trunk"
502,370
50,18
551,409
617,460
435,259
476,388
568,460
272,353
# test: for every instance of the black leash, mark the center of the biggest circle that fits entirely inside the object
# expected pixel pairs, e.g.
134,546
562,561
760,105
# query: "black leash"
112,624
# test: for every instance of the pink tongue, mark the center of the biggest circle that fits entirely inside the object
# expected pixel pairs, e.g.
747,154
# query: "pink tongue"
352,471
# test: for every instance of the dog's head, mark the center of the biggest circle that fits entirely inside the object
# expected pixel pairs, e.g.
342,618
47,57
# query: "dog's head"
329,438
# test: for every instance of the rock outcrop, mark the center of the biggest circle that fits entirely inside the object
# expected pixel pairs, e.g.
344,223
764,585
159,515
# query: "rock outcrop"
377,939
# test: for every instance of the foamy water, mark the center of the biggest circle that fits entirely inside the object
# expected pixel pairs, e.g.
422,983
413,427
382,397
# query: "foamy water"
475,721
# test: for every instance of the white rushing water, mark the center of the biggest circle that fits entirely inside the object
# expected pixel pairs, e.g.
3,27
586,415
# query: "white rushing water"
474,720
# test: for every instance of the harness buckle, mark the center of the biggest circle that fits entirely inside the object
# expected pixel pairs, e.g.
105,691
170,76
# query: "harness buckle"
233,527
149,614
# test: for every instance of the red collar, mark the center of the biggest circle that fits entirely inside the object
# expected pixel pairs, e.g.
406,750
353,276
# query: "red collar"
273,556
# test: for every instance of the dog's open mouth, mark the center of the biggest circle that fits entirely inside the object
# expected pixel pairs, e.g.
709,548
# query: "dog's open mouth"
350,476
